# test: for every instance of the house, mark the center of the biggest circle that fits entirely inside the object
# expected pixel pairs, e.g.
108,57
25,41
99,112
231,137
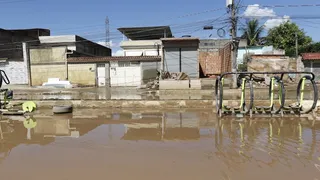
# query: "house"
214,57
311,62
181,55
12,59
138,42
119,70
49,59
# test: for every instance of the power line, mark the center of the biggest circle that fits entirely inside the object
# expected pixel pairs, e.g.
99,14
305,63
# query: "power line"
180,27
284,6
197,13
15,1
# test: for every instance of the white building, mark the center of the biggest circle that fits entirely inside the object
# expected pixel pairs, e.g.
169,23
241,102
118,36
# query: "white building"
139,43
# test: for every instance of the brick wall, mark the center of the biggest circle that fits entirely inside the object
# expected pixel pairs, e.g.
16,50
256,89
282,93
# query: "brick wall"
212,63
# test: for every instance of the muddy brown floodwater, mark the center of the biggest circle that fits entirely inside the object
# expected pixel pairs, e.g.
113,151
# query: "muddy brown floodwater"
173,145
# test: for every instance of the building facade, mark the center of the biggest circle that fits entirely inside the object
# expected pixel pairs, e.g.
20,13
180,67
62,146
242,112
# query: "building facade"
311,63
132,71
49,59
181,55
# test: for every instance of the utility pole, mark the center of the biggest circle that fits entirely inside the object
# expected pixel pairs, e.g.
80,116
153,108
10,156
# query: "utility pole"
107,22
233,10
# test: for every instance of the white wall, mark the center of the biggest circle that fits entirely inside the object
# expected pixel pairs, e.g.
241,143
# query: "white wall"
16,71
143,47
57,39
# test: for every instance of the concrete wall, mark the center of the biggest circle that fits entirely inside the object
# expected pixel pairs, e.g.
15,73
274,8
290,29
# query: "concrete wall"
76,43
256,50
47,63
77,73
48,55
41,73
81,74
212,45
16,71
272,64
141,47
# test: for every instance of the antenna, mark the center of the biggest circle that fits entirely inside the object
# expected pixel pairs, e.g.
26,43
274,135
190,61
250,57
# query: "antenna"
107,32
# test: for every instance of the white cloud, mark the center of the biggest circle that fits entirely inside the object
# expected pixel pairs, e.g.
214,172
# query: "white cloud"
256,11
118,53
271,23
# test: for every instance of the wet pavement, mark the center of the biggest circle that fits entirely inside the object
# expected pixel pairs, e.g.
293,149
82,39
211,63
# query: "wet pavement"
150,144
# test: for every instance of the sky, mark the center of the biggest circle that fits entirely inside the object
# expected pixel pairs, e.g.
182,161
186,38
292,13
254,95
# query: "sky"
87,17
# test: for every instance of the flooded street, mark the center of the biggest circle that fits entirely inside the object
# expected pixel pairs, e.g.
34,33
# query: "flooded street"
193,144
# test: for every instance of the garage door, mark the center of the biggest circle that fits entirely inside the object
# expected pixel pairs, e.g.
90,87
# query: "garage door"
125,76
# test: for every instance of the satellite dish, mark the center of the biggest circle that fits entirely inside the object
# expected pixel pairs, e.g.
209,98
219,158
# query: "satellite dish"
221,32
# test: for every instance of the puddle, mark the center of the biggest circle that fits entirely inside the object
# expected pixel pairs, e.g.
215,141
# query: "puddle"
106,144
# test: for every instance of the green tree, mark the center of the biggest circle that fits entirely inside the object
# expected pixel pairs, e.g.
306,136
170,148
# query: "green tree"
312,48
283,37
252,32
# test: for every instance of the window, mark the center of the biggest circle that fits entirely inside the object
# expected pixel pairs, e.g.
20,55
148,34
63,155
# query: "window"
136,63
123,64
128,64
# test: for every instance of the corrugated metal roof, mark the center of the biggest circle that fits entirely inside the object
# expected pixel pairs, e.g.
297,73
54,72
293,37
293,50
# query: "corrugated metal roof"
180,39
146,33
310,56
112,58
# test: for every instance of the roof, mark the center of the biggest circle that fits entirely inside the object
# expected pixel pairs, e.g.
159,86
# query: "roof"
179,39
113,58
31,29
310,56
66,39
146,33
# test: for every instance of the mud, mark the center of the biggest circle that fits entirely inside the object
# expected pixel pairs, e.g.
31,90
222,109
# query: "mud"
151,144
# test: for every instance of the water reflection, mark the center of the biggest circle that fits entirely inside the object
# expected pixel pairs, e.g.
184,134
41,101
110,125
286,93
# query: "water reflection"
234,144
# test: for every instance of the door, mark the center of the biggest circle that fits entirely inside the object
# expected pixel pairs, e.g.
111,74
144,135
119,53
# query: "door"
101,75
